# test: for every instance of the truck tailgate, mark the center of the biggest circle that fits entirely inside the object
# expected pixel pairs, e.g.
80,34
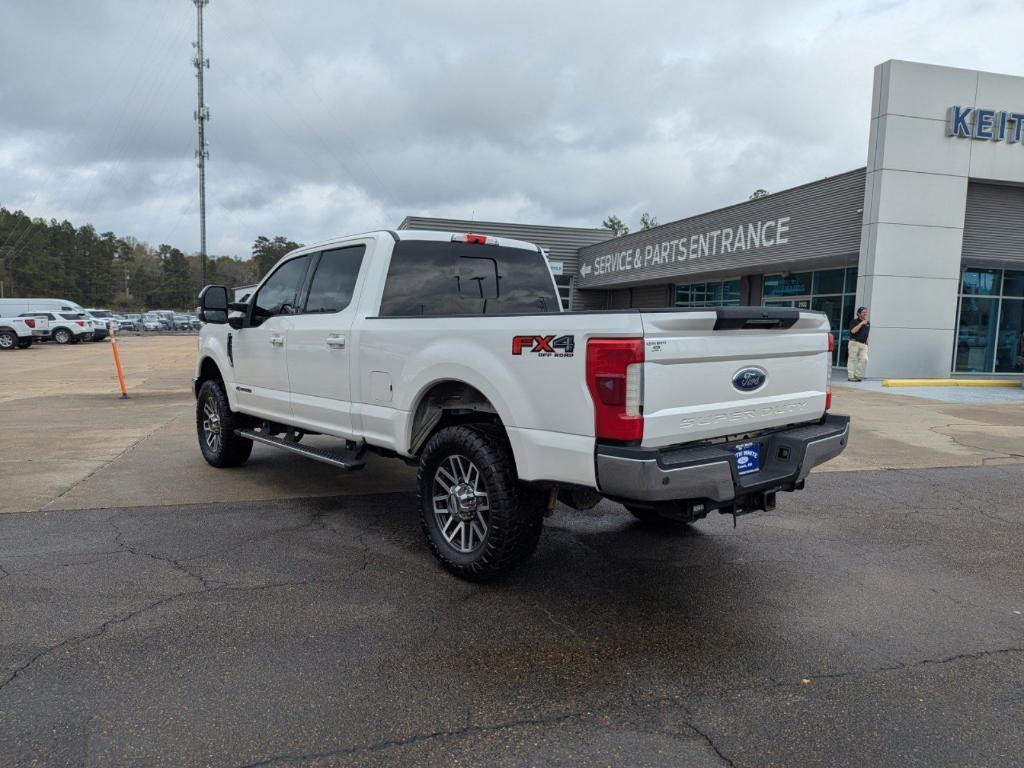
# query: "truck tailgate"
692,358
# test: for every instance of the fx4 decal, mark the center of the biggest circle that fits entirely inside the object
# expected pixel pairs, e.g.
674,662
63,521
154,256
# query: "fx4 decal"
544,346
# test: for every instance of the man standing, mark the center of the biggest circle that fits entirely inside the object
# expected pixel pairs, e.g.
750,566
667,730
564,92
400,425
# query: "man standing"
857,358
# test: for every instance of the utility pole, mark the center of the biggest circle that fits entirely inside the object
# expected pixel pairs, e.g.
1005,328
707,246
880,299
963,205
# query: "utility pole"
202,114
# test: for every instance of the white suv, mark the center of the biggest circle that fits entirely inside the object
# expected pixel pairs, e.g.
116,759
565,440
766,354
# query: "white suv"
64,327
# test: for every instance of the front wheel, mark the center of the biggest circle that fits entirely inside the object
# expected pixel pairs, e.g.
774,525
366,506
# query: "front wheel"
62,336
479,519
216,424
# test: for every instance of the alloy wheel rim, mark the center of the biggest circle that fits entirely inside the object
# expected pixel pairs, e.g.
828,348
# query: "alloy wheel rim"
211,426
6,341
461,505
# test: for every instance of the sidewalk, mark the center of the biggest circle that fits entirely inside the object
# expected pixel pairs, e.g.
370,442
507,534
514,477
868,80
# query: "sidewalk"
963,395
919,427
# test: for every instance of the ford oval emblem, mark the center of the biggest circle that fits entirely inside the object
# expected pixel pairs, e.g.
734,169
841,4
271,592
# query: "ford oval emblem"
749,379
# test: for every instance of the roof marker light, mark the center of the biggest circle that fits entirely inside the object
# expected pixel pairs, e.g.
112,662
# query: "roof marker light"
475,239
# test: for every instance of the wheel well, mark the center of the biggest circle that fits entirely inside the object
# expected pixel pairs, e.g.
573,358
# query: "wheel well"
447,403
207,371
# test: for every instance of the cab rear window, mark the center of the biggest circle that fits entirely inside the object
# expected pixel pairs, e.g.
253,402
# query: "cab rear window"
437,277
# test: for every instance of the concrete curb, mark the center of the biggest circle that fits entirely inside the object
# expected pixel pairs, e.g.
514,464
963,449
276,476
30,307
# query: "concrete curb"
951,383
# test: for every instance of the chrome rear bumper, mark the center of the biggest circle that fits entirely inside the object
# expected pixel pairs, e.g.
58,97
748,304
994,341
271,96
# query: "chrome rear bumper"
710,472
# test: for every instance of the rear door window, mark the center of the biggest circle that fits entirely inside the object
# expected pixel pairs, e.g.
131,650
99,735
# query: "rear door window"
335,279
438,277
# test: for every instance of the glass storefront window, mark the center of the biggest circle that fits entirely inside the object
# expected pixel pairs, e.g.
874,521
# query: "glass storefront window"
830,291
1010,345
795,284
851,280
721,294
831,306
976,335
983,282
714,294
1013,283
829,281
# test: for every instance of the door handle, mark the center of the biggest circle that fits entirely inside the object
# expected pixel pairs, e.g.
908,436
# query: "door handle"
277,341
336,342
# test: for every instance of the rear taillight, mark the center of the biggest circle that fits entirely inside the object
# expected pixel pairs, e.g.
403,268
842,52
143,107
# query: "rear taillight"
30,323
615,379
80,322
828,374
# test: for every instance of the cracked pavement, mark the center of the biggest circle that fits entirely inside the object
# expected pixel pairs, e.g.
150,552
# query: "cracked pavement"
157,612
875,618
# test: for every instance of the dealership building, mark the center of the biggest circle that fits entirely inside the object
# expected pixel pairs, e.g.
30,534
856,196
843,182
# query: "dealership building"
929,235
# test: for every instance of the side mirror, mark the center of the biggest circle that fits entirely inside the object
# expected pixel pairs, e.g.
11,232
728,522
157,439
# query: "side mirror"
213,304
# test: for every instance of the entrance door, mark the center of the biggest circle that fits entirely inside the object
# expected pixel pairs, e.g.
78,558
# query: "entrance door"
798,303
260,353
320,345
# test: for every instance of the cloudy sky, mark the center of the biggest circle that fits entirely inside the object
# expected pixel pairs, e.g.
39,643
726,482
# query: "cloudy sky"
332,117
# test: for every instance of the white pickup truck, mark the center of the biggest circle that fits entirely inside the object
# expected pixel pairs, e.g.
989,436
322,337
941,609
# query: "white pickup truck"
451,351
17,332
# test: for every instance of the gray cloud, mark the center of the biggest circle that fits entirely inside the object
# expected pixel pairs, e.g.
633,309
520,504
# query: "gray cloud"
331,117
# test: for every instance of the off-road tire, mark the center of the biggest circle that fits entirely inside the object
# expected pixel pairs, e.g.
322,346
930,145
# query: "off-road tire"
515,511
8,340
230,450
63,336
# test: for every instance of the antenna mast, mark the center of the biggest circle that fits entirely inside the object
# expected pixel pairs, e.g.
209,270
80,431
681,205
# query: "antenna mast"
202,114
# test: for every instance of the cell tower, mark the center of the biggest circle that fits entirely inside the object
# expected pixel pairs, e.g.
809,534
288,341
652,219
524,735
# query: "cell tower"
202,114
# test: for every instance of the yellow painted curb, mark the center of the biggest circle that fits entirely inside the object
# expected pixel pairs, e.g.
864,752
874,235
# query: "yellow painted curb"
951,383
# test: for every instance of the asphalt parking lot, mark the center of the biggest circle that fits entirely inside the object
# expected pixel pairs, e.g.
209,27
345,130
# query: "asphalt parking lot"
159,612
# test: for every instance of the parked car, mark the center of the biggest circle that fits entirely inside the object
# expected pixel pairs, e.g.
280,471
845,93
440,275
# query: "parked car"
18,307
151,321
16,332
452,352
107,316
125,324
131,322
99,325
195,322
63,327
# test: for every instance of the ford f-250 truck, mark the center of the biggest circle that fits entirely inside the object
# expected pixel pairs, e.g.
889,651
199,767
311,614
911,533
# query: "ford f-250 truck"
451,351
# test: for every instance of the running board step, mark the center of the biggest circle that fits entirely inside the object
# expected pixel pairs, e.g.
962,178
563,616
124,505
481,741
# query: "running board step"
348,460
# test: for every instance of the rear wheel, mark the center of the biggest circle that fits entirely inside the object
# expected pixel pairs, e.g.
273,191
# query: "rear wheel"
8,340
25,344
479,519
62,336
216,424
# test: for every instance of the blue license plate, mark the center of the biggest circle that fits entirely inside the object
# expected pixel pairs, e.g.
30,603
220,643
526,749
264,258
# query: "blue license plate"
748,457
